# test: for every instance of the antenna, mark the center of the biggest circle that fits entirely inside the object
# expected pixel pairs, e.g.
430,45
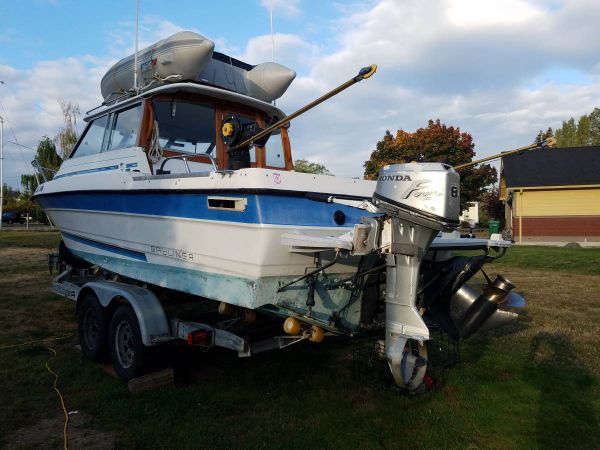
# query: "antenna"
272,39
272,36
135,56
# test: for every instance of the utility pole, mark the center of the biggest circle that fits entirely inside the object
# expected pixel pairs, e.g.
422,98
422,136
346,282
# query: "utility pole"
1,167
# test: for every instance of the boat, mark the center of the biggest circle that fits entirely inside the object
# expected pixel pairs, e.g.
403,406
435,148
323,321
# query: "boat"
163,189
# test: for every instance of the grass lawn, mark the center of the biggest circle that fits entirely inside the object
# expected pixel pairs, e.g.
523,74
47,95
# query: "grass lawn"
535,384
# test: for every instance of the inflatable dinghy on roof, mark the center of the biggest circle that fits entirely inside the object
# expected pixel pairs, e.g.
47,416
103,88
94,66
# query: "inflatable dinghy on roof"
188,56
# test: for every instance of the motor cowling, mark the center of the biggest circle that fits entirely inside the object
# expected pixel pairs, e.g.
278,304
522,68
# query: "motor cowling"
426,191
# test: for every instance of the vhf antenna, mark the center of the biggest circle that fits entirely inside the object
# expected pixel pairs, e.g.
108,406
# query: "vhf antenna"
135,56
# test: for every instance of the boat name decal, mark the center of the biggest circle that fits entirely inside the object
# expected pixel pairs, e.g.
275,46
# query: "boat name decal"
172,253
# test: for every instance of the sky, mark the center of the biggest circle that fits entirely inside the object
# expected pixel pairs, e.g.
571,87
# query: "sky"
498,69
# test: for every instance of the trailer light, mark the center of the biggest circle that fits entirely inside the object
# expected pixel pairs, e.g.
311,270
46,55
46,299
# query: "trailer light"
197,338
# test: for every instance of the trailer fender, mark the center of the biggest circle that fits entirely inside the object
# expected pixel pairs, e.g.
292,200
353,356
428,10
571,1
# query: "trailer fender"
152,319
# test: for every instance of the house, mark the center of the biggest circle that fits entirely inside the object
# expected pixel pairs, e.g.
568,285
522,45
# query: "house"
470,215
552,195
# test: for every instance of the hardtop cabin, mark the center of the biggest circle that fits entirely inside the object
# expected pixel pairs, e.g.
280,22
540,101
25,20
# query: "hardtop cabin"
178,126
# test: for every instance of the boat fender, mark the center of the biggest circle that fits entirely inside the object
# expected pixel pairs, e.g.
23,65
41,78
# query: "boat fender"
292,326
317,334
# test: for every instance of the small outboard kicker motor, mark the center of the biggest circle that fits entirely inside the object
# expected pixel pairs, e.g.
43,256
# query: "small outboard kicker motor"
420,199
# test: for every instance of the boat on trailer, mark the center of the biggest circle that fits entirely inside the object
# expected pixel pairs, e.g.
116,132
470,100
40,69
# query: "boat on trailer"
172,187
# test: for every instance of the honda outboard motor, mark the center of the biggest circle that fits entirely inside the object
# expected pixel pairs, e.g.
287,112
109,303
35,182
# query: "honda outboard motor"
420,199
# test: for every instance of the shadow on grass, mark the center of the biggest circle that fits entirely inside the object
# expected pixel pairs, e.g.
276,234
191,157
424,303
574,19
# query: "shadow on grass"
565,416
477,346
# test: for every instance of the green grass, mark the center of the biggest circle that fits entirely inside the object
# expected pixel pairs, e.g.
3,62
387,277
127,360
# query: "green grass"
24,239
531,385
579,260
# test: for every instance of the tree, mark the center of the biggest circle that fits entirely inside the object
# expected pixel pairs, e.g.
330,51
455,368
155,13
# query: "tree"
67,136
566,136
583,131
493,206
9,198
595,127
305,166
436,142
541,136
49,161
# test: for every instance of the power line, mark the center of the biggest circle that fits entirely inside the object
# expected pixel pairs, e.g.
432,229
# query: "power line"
6,119
16,141
21,145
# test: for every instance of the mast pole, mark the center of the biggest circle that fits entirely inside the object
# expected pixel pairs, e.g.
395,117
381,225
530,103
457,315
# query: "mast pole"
272,39
135,56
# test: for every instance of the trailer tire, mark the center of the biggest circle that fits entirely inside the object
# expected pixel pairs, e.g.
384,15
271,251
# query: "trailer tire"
130,357
92,327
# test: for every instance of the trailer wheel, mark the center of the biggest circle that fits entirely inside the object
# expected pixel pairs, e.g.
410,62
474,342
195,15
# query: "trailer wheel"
130,357
92,327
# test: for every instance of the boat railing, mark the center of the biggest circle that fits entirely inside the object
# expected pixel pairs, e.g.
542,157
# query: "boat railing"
39,169
184,158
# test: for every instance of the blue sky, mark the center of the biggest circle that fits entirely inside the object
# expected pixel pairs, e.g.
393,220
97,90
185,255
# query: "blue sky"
499,69
34,30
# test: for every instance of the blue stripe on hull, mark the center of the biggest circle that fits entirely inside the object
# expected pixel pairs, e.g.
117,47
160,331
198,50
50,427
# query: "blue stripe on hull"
261,208
107,247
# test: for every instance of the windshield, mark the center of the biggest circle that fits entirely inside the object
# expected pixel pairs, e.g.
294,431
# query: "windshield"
185,127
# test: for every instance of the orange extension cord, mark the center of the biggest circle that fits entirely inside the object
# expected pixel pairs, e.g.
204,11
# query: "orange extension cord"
62,401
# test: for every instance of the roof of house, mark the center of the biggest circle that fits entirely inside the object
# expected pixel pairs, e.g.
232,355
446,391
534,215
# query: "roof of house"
573,166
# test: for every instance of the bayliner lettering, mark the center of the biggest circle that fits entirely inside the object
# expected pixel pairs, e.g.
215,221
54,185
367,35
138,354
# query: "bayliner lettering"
172,253
395,178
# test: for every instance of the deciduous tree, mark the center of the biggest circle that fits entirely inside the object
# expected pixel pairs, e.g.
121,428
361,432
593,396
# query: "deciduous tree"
305,166
436,142
67,136
50,161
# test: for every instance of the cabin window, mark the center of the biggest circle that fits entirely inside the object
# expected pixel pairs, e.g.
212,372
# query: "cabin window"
125,129
91,141
275,156
185,127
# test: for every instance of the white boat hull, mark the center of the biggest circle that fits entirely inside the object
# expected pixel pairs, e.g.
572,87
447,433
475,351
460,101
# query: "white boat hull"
170,237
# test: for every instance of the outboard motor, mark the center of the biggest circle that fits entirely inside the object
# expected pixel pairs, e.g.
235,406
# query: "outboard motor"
420,199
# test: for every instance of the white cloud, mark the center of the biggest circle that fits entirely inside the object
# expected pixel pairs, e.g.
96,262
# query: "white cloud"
290,50
31,102
491,12
474,74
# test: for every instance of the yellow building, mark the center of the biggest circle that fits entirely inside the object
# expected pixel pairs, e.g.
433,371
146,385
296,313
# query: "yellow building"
552,195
